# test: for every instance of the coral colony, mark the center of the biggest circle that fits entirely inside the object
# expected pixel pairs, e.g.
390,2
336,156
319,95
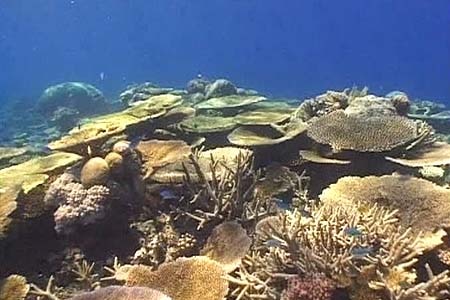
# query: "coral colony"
217,192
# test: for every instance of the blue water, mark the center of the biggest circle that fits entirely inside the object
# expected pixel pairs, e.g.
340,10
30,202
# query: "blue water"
287,48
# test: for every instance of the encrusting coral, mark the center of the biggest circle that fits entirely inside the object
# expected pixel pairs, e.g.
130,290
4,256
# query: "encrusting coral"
122,293
309,287
227,244
76,205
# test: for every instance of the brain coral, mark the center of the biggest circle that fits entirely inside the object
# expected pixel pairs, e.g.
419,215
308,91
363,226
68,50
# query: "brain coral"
374,134
122,293
421,204
95,171
193,278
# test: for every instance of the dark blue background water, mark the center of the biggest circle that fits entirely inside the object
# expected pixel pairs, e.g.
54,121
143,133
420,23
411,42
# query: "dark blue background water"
293,48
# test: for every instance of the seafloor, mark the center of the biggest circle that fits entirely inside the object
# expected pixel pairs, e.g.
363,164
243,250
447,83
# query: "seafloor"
217,192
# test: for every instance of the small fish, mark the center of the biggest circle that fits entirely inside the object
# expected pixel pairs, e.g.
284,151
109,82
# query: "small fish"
272,243
362,251
352,231
102,76
167,194
89,150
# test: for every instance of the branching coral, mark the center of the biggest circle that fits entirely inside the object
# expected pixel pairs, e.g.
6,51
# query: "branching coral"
229,195
357,249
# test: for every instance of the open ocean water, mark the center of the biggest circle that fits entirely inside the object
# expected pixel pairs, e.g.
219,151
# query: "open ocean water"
283,48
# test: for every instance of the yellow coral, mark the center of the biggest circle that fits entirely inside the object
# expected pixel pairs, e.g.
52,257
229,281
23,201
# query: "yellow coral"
95,171
375,134
194,278
14,287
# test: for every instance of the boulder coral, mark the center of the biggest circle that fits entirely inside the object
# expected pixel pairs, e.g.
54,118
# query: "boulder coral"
94,172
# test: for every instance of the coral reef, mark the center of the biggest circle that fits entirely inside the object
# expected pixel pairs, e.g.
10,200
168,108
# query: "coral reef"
217,192
80,96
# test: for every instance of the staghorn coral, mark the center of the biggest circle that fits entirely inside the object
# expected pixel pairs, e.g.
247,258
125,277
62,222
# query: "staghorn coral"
309,287
193,278
14,287
76,204
122,293
359,250
227,244
94,172
374,134
228,193
421,204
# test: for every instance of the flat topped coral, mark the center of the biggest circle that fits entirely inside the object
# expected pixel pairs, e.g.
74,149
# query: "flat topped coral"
266,135
10,152
159,153
97,130
421,204
374,134
436,154
21,180
224,157
207,124
229,102
263,116
193,278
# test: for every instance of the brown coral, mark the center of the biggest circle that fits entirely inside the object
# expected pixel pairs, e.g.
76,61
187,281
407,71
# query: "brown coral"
421,204
436,154
14,287
94,172
194,278
227,244
159,153
374,134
